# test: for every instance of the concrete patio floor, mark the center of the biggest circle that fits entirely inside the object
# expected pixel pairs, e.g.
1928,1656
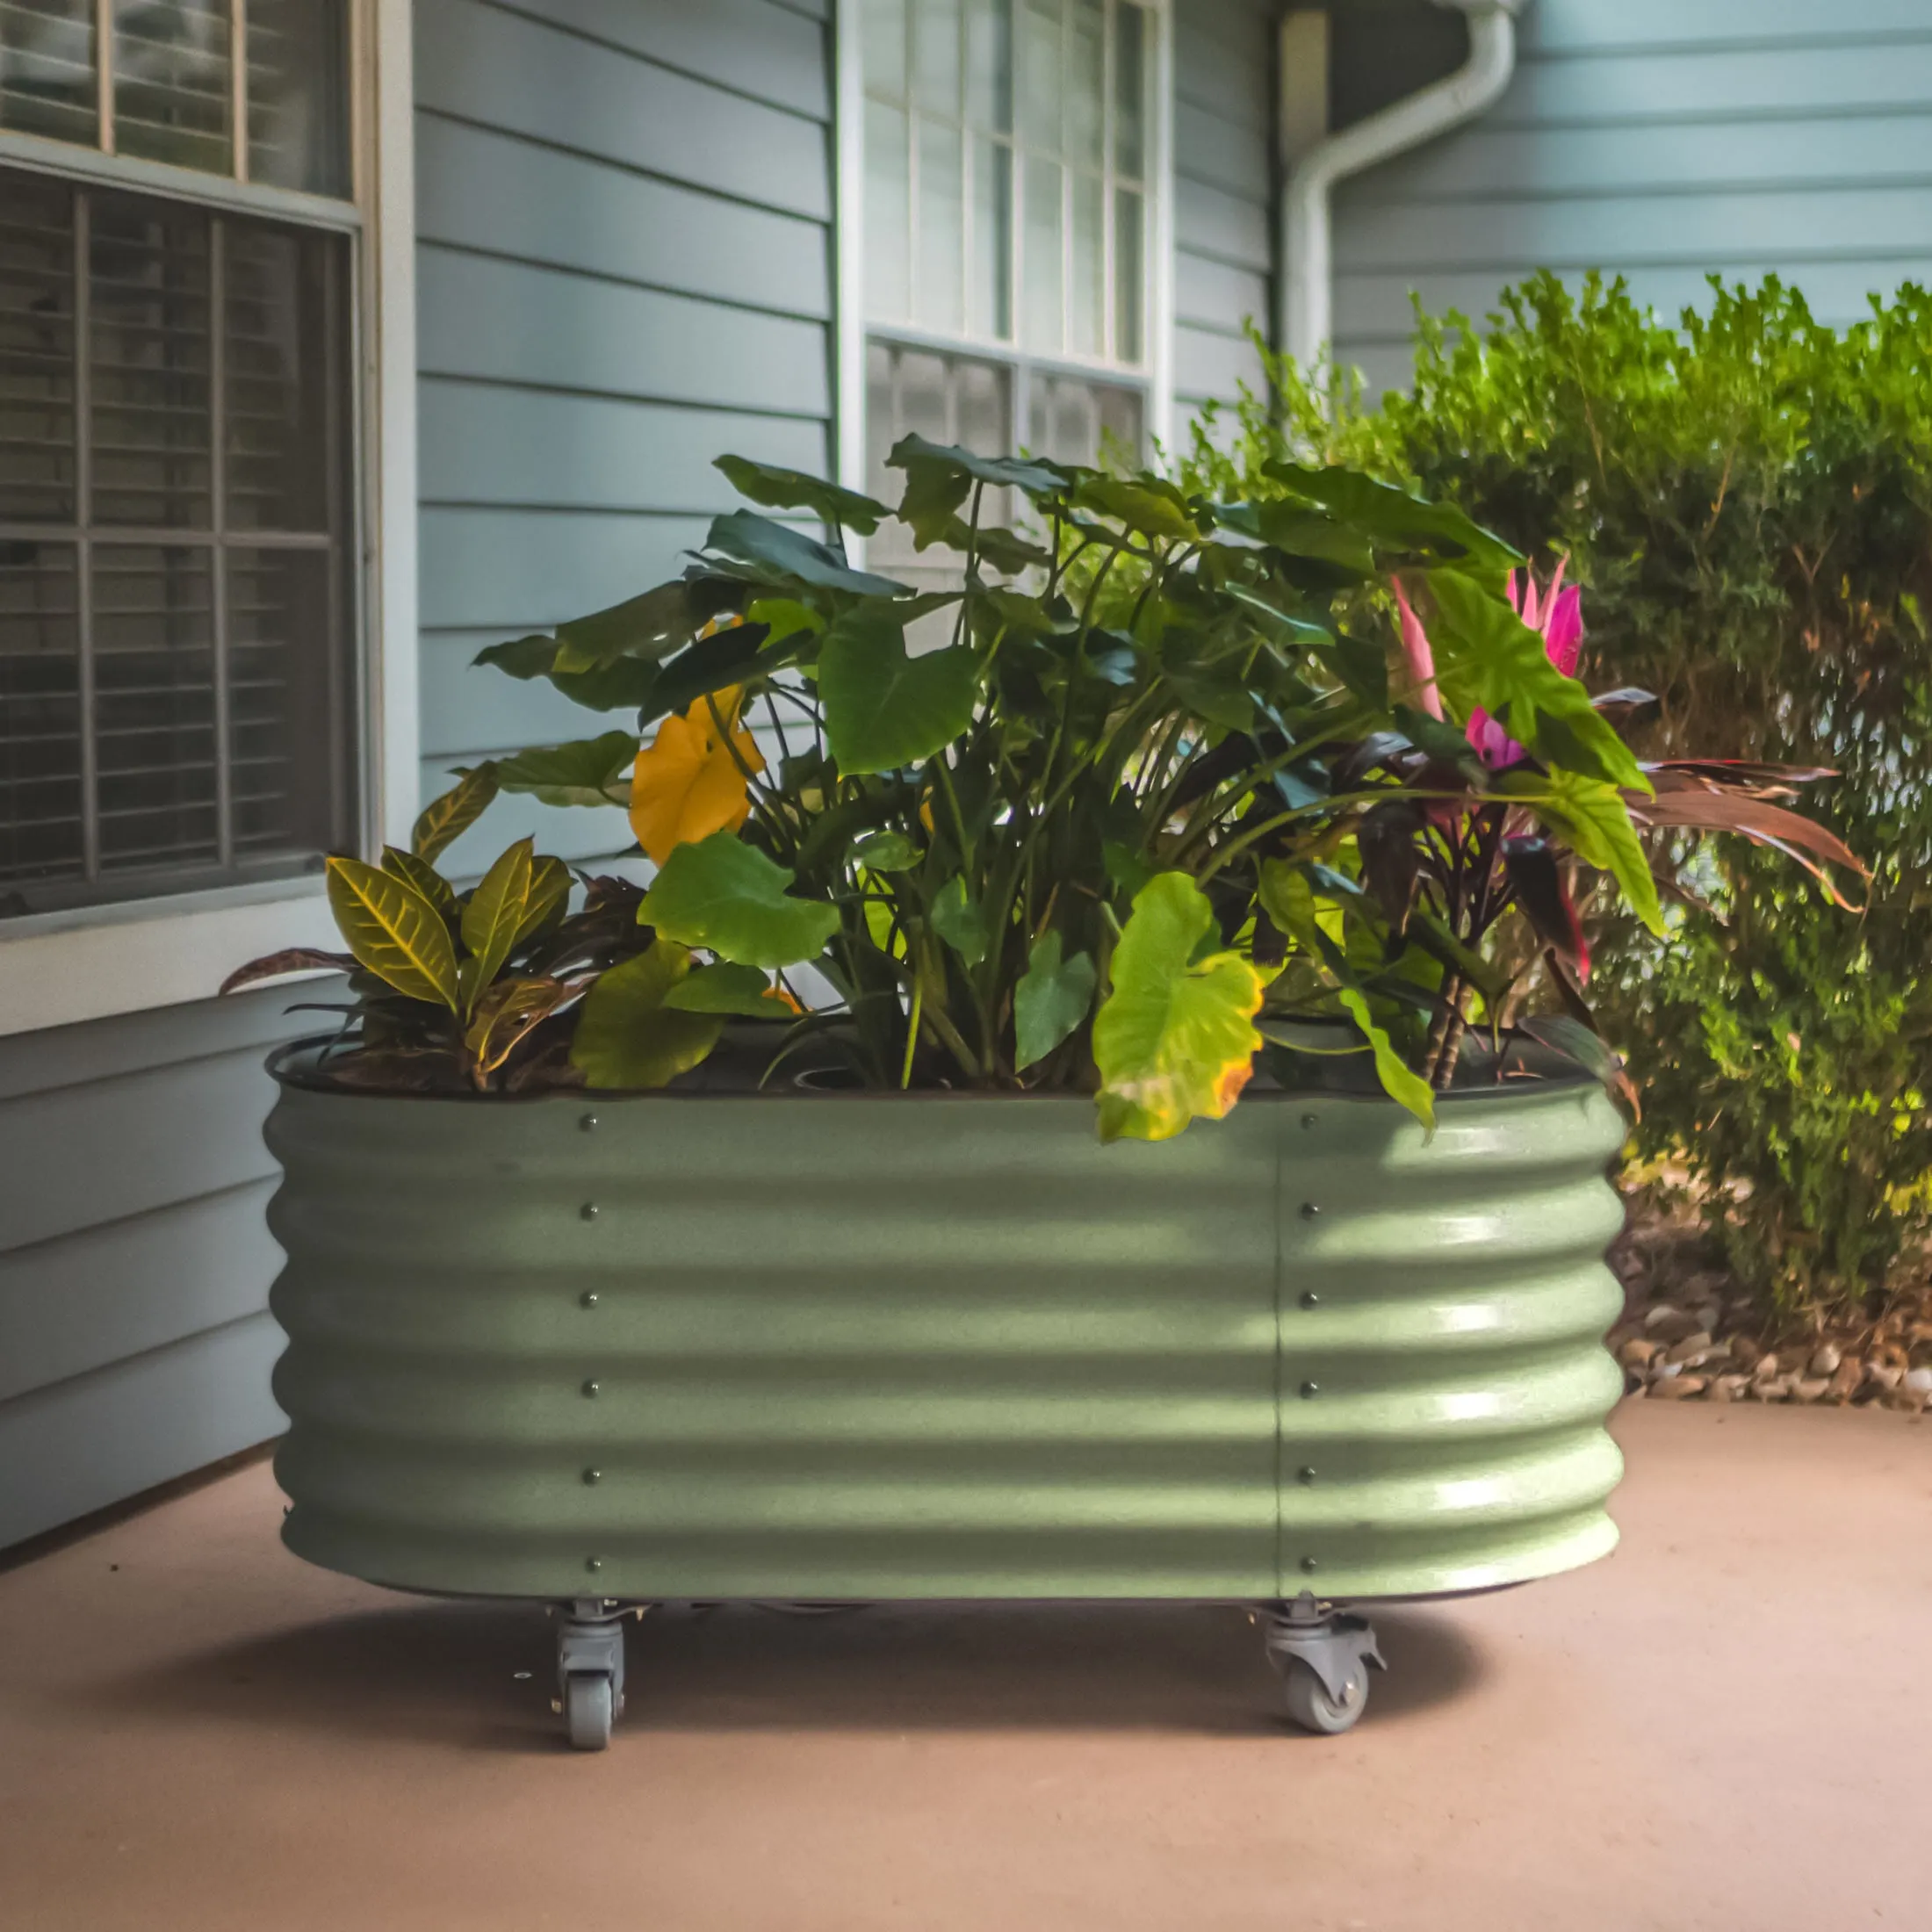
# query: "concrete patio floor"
1724,1727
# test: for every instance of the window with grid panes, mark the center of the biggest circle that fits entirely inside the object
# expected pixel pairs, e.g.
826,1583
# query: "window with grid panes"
176,609
1008,212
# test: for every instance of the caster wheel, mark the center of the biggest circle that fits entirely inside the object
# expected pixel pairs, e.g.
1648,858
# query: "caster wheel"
1314,1709
588,1710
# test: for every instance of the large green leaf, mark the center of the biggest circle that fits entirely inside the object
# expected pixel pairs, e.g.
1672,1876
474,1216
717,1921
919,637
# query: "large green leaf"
650,626
1051,1000
394,932
722,894
1400,1081
493,917
1175,1036
1592,819
1150,505
883,709
1301,532
588,771
728,988
1487,655
623,684
764,552
628,1037
733,656
793,490
959,921
445,819
1394,519
940,477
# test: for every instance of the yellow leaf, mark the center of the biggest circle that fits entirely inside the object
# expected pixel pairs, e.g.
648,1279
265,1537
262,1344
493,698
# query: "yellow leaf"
686,784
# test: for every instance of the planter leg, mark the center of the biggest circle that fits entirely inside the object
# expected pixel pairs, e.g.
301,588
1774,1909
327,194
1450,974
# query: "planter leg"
590,1671
1323,1656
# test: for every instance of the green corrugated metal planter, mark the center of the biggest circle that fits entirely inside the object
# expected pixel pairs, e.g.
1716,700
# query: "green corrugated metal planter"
858,1345
853,1345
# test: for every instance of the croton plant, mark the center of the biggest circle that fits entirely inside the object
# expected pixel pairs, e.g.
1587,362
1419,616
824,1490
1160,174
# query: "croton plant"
1161,790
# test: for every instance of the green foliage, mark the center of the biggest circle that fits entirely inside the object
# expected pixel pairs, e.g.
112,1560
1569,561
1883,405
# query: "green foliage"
476,989
1061,827
1747,496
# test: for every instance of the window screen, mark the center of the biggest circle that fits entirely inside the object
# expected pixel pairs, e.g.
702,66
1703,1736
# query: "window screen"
175,661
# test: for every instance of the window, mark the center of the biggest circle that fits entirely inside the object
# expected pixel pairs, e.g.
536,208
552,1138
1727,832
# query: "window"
1008,211
177,601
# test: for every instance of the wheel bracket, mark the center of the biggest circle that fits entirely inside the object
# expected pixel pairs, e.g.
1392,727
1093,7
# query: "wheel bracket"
1330,1641
590,1643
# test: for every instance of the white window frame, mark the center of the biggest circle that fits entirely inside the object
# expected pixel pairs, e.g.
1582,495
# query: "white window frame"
132,956
1154,375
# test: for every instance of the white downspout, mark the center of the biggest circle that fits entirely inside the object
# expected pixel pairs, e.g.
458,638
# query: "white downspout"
1304,324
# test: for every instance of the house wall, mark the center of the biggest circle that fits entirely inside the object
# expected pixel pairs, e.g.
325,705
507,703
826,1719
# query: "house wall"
624,268
134,1339
1224,66
1659,138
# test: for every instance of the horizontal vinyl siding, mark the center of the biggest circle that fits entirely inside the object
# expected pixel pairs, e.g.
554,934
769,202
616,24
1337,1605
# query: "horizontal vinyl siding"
134,1262
1662,140
624,262
1223,196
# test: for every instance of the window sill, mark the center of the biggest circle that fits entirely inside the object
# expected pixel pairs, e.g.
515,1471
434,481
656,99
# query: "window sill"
59,968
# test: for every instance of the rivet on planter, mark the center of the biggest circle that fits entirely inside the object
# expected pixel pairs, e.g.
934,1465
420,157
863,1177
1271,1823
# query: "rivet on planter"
593,1477
1305,1474
1309,1564
1309,1210
588,1299
588,1212
1310,1299
1309,1389
1311,1119
588,1123
590,1388
594,1564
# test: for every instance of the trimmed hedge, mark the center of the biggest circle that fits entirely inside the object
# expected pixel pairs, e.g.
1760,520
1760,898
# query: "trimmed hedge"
1747,498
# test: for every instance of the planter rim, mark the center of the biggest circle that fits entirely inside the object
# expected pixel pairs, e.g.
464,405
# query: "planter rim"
290,1065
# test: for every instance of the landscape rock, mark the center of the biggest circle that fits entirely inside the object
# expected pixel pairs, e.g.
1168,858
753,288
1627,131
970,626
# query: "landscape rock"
1693,1347
1669,1323
1745,1352
1679,1387
1824,1359
1810,1388
1639,1353
1849,1380
1918,1381
1883,1376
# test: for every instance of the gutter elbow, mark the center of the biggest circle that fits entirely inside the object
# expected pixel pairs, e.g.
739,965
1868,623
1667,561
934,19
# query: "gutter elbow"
1304,324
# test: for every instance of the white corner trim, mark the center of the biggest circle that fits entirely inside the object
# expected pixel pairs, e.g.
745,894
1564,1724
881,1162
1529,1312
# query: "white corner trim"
848,245
181,951
1162,250
135,955
389,283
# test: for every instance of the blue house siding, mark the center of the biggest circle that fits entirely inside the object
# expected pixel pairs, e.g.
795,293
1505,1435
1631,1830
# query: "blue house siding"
1223,196
1660,139
134,1266
623,266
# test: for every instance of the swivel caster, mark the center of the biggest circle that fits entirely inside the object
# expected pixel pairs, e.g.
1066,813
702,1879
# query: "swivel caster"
1314,1707
590,1672
1323,1656
588,1708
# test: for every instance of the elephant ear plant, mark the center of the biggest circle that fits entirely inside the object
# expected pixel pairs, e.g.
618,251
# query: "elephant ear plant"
1156,781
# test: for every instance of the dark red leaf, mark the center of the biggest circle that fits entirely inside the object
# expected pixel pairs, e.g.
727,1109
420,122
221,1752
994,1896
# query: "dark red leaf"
293,959
1536,880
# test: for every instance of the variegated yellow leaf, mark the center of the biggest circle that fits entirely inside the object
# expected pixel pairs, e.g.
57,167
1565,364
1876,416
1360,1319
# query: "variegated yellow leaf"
394,932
